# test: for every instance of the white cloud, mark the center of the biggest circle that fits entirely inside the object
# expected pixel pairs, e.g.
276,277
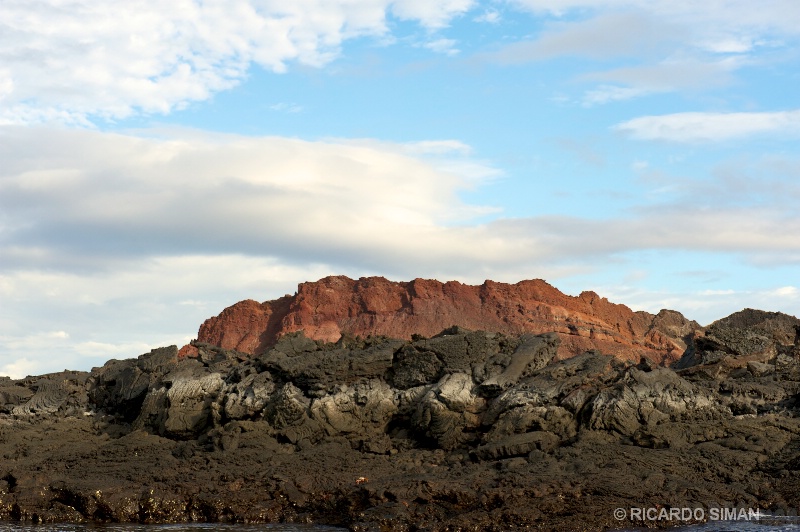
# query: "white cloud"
666,75
434,15
21,368
70,62
137,195
443,46
606,35
490,16
104,351
705,293
730,20
668,45
718,25
790,292
610,93
731,45
22,363
284,107
39,340
694,127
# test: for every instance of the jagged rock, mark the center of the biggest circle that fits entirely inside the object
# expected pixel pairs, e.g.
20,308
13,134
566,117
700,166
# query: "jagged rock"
571,383
788,366
737,342
743,337
530,417
412,367
780,327
458,349
534,352
675,327
517,445
760,369
751,397
12,394
448,409
301,361
248,396
216,358
646,398
122,385
63,393
724,351
288,414
153,411
48,399
361,412
190,400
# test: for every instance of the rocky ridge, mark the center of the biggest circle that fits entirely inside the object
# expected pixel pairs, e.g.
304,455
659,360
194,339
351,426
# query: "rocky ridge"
462,430
335,306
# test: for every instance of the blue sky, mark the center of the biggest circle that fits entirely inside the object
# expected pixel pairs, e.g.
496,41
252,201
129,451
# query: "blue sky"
163,161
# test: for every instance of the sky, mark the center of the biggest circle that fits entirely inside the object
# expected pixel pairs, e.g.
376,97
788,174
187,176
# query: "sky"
160,161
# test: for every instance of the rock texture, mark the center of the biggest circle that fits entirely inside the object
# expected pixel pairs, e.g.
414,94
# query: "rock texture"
336,306
461,430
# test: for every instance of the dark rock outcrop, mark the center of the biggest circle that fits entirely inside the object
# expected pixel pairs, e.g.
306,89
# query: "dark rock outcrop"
464,430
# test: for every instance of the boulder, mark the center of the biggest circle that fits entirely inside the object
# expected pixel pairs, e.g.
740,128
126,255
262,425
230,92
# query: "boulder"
517,445
447,410
190,400
533,353
302,361
120,386
62,393
647,398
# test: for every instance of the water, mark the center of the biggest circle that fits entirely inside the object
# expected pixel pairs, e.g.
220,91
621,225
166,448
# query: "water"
737,526
764,524
734,526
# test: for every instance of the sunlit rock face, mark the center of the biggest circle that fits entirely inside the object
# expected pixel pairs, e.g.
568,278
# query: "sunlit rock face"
339,306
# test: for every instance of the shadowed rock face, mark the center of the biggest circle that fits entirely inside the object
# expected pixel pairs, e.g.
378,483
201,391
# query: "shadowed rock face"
335,306
465,430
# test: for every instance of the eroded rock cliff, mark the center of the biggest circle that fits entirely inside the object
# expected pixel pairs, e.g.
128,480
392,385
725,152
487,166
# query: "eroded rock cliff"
336,306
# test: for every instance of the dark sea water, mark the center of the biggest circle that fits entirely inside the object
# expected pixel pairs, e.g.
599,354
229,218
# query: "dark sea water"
784,524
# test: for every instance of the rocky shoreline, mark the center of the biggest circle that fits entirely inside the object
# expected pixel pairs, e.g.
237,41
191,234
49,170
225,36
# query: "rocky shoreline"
465,430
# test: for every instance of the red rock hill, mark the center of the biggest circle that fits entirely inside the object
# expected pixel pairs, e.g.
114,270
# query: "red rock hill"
338,305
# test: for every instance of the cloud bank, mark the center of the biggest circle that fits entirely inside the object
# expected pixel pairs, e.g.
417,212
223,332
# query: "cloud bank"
84,201
667,45
75,61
